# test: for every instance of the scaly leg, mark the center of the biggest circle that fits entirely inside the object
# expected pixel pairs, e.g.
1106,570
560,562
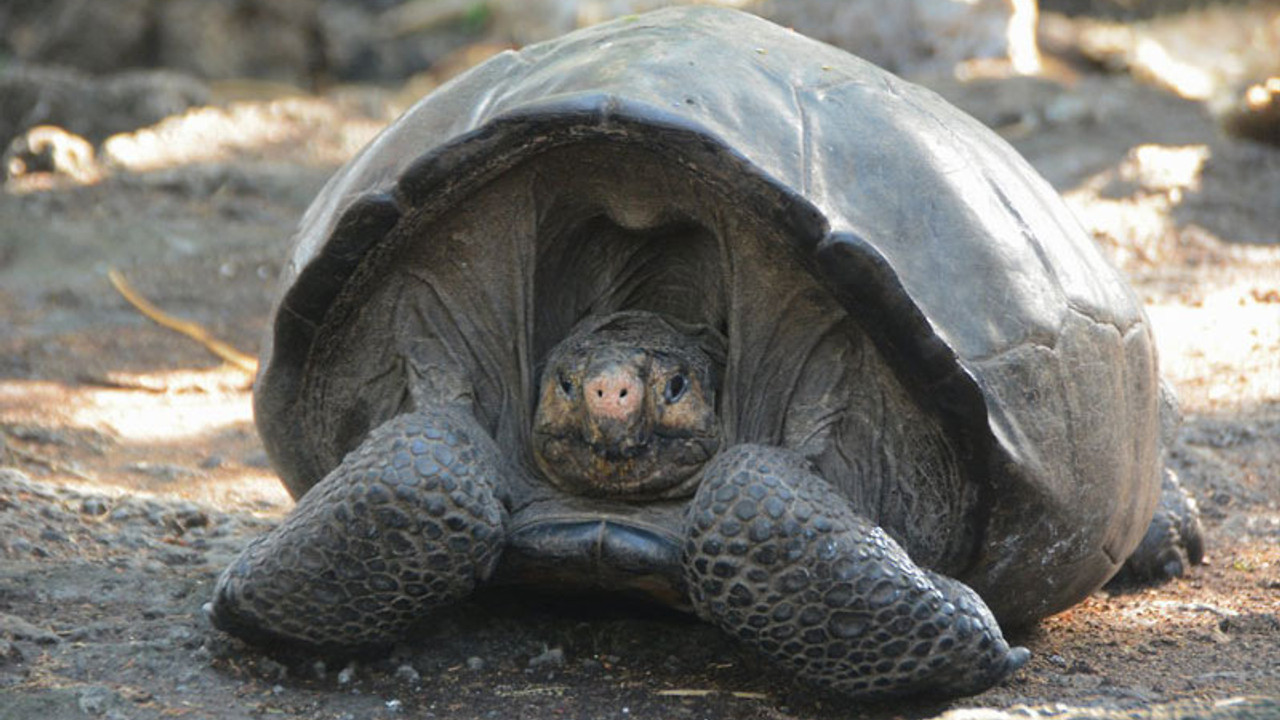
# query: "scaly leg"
407,522
777,558
1174,540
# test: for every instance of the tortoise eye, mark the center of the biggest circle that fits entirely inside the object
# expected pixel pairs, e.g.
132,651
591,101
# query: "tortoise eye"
566,386
675,389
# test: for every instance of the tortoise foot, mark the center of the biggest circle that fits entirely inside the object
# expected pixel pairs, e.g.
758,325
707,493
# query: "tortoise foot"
777,558
407,522
1174,540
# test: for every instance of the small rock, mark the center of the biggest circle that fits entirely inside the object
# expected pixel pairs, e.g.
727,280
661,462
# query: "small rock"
1081,681
1068,109
37,434
137,695
176,556
475,663
190,516
394,706
552,658
16,628
185,636
1250,624
51,535
95,700
161,471
318,669
55,513
407,673
9,653
273,669
92,631
94,506
130,537
1216,677
213,462
1144,695
257,460
124,513
348,675
1079,667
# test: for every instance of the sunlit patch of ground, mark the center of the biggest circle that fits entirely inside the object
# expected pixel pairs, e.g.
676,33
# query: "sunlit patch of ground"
309,129
1223,353
184,434
1214,302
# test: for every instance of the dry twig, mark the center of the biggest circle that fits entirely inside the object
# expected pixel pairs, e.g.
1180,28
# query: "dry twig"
192,330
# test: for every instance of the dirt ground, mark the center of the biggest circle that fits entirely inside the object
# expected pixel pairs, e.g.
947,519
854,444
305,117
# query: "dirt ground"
131,471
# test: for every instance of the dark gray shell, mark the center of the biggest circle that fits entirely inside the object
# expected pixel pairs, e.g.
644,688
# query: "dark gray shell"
782,192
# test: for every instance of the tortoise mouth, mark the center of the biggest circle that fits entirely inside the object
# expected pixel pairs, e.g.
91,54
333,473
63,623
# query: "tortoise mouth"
618,443
660,467
616,452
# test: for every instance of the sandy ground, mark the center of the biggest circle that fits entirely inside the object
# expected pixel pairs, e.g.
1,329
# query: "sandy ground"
132,471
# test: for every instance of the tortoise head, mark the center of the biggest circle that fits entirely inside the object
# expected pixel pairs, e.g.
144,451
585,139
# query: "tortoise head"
626,410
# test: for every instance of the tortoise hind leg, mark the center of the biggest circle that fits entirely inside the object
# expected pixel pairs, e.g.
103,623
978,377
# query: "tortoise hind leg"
1174,540
776,557
408,521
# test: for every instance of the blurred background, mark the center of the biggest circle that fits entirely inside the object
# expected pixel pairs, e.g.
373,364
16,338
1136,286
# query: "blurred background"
1214,52
1157,119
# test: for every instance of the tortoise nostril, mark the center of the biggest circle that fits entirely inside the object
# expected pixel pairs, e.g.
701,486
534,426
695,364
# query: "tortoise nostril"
622,392
613,392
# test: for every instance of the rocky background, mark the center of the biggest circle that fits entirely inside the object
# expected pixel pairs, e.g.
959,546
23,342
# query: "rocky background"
178,141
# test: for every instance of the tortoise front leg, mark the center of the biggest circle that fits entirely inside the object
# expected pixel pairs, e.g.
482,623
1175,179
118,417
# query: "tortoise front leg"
777,558
407,522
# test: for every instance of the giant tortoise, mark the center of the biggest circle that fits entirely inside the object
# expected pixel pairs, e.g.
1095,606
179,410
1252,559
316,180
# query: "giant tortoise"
690,305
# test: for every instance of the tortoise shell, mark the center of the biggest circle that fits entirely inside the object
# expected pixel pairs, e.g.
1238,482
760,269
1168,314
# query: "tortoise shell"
836,226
